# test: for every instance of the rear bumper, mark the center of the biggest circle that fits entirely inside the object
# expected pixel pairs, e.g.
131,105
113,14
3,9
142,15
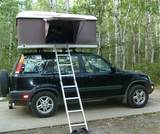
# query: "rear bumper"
18,96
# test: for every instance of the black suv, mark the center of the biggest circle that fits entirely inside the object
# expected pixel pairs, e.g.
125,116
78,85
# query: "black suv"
35,81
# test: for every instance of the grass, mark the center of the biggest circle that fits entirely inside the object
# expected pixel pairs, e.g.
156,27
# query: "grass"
5,99
157,86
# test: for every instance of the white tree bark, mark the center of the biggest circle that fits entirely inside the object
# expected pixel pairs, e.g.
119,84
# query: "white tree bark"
108,33
139,36
146,34
159,32
115,3
152,37
100,33
133,50
51,5
56,6
67,6
124,36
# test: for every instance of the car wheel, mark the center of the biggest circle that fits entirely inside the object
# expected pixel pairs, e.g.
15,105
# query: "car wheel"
137,96
44,104
4,89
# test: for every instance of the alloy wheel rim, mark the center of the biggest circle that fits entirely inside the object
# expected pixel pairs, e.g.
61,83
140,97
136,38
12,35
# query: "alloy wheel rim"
139,97
44,104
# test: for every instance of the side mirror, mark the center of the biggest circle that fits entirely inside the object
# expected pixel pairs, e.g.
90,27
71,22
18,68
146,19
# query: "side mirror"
113,69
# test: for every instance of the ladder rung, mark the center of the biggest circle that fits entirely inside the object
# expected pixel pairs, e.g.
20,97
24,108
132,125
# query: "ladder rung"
62,54
74,111
74,125
64,64
67,75
72,98
69,86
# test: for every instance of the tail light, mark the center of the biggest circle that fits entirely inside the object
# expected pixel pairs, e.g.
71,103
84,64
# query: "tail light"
19,66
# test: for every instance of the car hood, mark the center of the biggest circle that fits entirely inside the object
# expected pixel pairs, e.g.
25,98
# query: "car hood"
137,75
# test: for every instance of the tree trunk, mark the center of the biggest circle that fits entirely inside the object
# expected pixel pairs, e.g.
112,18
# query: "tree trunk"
51,5
67,6
152,37
159,32
146,34
124,34
100,33
56,6
115,3
139,36
133,50
108,40
11,35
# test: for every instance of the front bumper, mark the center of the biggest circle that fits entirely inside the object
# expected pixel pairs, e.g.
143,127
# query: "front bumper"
151,87
18,96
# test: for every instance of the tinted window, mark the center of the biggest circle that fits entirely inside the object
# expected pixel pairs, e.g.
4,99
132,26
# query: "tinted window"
67,69
95,64
37,64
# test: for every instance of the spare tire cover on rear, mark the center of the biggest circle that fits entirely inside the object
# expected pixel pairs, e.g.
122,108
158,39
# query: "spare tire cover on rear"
4,89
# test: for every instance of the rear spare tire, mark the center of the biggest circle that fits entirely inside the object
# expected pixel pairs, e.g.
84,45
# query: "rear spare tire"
4,89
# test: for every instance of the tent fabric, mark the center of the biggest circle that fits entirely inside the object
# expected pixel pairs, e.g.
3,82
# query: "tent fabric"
31,31
87,35
37,31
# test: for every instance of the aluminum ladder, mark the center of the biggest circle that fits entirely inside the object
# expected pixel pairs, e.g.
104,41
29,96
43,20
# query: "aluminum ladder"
63,87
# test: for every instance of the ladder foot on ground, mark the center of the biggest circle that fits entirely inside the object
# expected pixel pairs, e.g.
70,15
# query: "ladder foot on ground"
80,131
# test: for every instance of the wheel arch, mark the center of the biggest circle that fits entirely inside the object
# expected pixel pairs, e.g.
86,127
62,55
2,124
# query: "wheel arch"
133,83
52,90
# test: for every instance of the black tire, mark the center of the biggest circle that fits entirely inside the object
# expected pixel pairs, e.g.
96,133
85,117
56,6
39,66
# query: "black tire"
44,104
137,96
4,88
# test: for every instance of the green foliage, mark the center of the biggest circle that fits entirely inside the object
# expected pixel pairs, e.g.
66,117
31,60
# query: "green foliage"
104,11
153,70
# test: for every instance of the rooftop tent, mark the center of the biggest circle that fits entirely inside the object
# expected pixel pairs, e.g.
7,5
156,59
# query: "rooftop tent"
44,29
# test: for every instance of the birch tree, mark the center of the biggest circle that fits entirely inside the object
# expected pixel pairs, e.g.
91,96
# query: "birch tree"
51,5
67,6
152,35
146,32
139,32
115,3
159,28
124,36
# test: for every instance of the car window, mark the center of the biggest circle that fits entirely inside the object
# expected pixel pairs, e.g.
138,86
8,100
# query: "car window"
95,64
37,64
67,69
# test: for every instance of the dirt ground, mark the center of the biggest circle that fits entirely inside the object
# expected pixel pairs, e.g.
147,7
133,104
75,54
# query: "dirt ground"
135,124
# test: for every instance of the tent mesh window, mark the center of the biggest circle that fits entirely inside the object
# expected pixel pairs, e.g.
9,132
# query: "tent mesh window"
62,31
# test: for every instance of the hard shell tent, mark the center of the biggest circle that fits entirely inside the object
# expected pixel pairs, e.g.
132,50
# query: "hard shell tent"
44,29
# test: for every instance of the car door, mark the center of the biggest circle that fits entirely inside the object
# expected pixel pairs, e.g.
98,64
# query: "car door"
100,80
68,80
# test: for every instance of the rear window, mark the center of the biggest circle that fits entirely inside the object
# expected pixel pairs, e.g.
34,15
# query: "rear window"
37,64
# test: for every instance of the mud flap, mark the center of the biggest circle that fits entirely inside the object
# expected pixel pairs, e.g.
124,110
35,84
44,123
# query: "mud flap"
80,131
